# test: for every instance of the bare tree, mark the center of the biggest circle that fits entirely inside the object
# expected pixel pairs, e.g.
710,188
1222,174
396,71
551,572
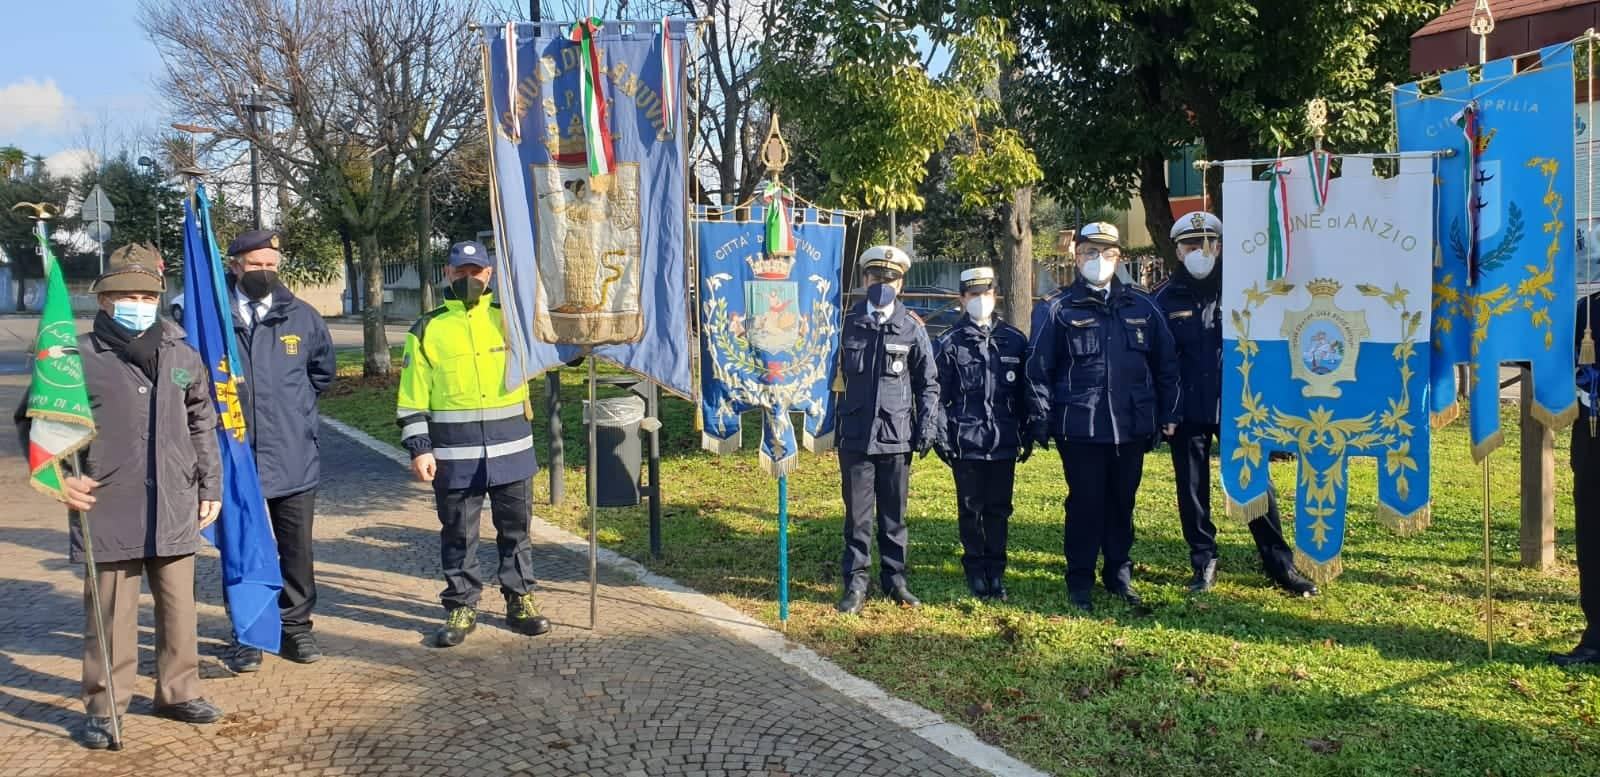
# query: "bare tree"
377,93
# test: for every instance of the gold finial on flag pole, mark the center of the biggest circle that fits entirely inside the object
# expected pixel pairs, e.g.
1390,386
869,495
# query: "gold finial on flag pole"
1317,121
774,150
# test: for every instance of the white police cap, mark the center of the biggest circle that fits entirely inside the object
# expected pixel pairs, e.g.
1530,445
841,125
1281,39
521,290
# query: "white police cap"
1196,225
885,258
977,279
1099,232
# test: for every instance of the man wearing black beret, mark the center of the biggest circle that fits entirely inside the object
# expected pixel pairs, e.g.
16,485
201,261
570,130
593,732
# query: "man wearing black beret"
287,357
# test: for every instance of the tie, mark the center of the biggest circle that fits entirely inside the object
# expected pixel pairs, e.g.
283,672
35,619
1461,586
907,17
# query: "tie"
877,317
257,310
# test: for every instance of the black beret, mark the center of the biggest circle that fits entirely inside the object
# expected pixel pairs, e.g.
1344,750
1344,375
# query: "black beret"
253,240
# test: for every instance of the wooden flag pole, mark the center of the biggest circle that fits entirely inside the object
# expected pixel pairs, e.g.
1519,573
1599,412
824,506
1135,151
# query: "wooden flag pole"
92,574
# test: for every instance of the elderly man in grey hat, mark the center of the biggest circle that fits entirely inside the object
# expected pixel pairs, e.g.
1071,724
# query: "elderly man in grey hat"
152,479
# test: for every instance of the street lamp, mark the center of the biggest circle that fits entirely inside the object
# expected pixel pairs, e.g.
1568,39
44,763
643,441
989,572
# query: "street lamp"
252,106
155,170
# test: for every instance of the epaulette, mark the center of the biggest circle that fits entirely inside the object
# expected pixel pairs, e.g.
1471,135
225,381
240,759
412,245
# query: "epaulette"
1139,287
422,321
1161,285
1055,295
914,316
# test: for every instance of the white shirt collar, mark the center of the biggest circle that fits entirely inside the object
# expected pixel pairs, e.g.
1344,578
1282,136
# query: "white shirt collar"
887,310
248,307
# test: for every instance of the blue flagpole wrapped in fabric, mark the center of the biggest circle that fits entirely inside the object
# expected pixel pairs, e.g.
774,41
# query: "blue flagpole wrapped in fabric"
769,332
251,578
588,259
1504,277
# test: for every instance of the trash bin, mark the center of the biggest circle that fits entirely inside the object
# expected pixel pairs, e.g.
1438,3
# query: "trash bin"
617,450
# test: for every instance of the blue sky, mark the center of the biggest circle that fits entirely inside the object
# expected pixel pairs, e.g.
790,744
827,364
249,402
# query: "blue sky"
71,64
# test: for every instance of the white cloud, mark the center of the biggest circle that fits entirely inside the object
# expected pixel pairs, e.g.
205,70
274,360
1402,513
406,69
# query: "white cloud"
70,163
33,105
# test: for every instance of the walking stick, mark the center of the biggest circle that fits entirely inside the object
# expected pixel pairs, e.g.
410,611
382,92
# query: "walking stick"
99,616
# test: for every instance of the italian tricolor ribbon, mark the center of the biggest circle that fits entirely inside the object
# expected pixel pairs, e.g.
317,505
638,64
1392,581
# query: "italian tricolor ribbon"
669,79
1467,120
1321,165
513,100
1277,220
596,126
780,226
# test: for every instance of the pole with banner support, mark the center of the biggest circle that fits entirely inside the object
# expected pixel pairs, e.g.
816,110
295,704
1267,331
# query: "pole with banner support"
1482,24
93,575
594,498
783,553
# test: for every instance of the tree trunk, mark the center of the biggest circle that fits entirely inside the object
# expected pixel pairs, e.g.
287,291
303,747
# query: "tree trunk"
424,250
352,278
1153,193
374,340
1016,250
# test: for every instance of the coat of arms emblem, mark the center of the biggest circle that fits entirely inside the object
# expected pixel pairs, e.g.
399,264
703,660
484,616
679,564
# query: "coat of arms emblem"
1324,341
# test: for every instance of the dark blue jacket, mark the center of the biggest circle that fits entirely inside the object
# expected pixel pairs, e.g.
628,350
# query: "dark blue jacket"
891,388
983,385
1104,371
1191,306
288,363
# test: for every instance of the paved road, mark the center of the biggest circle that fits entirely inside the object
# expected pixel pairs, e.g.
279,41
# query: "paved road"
656,691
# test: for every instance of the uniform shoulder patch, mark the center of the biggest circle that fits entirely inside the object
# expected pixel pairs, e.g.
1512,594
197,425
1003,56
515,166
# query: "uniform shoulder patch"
1139,287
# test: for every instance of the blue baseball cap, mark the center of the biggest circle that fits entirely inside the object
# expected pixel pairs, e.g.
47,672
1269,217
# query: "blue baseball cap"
469,252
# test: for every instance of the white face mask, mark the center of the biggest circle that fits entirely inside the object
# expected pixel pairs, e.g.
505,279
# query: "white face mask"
1199,263
980,308
1098,271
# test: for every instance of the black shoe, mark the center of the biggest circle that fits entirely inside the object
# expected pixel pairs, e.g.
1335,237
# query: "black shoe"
1082,601
978,586
1582,655
902,596
522,616
1205,577
997,588
1295,584
96,733
1128,595
192,711
300,648
242,659
457,625
854,599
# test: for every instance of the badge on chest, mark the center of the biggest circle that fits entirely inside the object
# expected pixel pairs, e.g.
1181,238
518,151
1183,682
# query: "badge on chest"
897,357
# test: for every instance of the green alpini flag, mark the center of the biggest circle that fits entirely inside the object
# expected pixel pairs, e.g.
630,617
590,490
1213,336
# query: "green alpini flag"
58,402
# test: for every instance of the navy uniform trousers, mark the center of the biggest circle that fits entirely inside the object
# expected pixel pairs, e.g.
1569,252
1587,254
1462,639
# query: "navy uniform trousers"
1102,480
510,505
874,489
1191,463
1586,501
983,513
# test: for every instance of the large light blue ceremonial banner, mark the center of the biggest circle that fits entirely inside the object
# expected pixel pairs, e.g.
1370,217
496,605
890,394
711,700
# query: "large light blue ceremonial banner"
1328,362
769,330
1503,274
251,578
586,259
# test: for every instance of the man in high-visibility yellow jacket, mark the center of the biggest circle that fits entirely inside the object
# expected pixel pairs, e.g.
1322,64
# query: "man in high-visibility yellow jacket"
470,437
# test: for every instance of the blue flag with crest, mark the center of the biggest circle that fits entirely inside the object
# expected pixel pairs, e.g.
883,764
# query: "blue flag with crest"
251,578
591,252
1503,275
769,328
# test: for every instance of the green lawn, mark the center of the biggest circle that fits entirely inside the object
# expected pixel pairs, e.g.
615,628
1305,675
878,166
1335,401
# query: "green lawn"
1385,674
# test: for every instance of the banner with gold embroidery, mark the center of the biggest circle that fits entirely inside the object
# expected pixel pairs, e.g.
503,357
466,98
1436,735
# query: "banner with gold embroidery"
588,196
1503,275
1330,361
769,326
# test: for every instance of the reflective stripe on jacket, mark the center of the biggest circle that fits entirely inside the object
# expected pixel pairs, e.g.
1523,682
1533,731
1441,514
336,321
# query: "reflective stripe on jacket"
453,402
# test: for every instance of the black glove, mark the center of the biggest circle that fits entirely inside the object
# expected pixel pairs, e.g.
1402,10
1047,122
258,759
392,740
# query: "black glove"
944,455
1039,434
922,447
1027,450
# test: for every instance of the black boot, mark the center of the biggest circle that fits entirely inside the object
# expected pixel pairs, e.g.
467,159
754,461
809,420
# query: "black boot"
457,625
852,602
1582,655
977,585
1204,577
300,648
902,596
997,587
522,616
1295,584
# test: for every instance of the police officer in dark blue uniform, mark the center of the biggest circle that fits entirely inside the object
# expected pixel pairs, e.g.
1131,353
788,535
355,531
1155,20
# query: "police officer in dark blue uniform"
889,409
1105,388
1190,301
1586,496
983,386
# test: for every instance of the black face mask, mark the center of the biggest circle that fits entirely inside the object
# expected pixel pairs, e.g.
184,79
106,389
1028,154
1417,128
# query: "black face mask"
468,290
257,284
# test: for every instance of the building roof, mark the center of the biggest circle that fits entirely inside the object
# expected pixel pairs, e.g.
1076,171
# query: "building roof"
1460,15
1520,26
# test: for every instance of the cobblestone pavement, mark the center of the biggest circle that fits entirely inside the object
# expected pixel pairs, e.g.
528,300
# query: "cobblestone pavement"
655,691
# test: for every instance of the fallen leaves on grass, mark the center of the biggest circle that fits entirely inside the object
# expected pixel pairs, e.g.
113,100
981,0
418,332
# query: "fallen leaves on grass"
1256,736
1324,746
